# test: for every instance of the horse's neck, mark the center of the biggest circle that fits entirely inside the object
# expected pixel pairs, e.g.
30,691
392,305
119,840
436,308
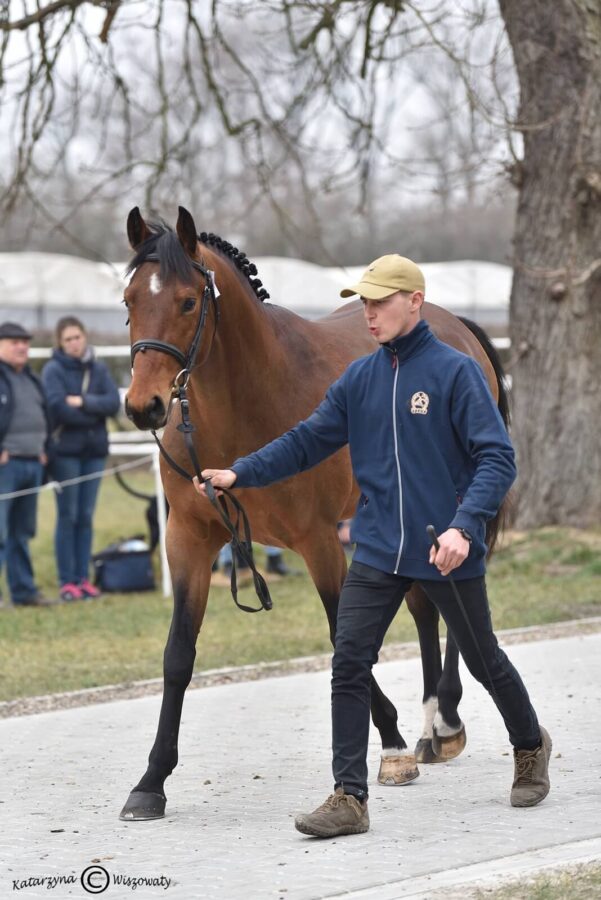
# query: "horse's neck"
232,384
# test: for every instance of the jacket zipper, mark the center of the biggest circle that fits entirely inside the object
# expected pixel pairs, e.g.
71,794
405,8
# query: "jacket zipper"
398,463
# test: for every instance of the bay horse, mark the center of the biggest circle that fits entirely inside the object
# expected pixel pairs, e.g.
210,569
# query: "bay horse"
258,369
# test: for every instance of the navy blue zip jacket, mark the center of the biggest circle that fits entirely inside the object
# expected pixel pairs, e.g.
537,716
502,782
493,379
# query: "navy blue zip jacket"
7,402
79,431
427,444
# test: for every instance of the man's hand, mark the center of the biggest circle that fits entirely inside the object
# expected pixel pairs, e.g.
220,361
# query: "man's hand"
454,548
73,400
43,458
219,478
4,457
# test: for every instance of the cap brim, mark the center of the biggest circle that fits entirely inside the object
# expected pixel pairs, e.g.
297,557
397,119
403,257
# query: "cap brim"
371,291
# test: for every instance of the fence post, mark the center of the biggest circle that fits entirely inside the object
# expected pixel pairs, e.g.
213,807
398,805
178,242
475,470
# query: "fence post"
162,517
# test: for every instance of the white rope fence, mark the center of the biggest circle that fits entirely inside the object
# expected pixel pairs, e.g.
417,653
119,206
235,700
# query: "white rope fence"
59,485
117,448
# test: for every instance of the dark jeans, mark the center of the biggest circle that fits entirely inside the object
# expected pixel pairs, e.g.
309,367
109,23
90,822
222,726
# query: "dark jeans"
75,505
18,524
368,604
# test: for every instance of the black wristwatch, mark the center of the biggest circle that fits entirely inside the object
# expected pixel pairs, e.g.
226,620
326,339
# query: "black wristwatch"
464,534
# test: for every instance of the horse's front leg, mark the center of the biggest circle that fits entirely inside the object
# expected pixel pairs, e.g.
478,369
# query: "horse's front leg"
443,734
190,566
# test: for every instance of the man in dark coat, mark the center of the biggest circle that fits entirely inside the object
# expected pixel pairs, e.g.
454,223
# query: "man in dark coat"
23,437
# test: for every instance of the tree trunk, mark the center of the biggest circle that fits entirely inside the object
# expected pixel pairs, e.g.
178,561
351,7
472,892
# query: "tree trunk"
556,293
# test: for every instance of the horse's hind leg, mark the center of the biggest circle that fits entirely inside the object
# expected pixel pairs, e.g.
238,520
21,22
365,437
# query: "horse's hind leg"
191,573
327,565
442,687
448,731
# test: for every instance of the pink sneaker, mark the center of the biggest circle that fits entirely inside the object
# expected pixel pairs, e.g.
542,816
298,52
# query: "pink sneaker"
71,592
88,590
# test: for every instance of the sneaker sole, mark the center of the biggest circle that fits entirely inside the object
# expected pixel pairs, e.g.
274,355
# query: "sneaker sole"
306,828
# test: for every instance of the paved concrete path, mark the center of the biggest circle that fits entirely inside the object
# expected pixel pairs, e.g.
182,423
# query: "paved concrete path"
253,754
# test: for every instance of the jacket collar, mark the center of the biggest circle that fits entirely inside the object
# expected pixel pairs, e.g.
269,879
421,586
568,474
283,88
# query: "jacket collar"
409,344
73,362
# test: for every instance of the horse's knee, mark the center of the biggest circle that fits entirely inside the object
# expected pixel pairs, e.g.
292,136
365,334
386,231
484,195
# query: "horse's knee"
178,667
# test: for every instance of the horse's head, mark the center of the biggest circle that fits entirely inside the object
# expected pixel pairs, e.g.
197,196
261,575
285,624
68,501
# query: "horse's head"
164,300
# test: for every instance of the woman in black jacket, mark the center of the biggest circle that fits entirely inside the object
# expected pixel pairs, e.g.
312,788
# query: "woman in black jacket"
80,394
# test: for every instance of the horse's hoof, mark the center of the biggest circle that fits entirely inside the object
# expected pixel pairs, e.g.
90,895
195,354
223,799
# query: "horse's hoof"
448,746
424,752
142,806
397,770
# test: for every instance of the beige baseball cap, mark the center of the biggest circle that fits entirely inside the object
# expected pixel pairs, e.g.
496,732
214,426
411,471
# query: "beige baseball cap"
386,276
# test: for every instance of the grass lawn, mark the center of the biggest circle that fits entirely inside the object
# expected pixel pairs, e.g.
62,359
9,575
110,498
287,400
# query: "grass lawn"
541,577
575,883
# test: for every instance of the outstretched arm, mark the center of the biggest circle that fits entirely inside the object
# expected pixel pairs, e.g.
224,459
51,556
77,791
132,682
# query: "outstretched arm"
301,448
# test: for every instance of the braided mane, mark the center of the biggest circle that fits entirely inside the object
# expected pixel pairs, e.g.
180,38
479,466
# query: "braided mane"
164,244
240,260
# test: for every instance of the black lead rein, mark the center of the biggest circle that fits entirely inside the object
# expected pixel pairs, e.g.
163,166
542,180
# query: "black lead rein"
240,546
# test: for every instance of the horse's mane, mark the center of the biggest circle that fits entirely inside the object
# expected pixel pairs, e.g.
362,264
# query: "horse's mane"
240,260
164,245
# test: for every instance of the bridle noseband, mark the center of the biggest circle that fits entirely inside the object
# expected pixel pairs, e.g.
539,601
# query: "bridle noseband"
240,546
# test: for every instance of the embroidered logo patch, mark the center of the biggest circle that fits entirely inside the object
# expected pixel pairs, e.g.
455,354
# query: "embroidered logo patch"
419,403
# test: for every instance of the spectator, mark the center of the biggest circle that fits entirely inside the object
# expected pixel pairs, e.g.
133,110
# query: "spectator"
275,567
23,436
80,394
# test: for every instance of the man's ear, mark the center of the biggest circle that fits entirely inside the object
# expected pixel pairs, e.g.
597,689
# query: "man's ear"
417,298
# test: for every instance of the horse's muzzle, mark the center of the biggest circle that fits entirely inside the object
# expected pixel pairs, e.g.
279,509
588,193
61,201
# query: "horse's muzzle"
150,417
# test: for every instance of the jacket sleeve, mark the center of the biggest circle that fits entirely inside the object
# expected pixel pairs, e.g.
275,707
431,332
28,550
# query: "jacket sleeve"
301,448
105,400
60,412
484,437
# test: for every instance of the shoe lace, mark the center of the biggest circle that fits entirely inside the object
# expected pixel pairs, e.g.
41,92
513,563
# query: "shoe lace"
524,763
334,801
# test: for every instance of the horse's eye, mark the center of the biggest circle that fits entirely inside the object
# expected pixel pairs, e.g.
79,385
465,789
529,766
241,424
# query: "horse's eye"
189,304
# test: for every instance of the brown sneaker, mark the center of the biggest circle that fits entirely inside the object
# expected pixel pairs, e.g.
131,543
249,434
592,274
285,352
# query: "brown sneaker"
531,777
340,814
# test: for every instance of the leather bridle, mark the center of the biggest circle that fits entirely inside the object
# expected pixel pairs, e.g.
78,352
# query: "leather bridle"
240,546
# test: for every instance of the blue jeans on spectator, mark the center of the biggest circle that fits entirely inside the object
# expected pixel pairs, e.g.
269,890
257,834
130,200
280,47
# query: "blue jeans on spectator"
18,524
75,506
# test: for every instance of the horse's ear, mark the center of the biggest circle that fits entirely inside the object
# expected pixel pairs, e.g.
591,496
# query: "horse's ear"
186,231
137,229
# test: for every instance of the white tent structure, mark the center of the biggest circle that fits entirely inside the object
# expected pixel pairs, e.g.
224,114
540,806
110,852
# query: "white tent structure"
36,289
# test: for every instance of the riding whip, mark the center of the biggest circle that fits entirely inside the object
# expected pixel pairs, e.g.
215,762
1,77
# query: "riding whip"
432,535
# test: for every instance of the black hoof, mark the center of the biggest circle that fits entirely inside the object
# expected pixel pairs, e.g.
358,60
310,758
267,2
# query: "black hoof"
424,752
142,806
449,747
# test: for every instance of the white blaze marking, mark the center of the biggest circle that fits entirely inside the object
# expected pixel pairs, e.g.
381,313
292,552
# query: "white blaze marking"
155,284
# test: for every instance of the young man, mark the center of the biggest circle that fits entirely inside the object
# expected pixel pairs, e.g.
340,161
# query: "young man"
428,446
23,436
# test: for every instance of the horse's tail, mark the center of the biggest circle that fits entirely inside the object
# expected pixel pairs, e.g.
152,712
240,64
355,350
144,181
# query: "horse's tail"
494,526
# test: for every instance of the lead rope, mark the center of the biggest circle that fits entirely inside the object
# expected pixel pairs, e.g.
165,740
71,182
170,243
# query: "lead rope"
240,546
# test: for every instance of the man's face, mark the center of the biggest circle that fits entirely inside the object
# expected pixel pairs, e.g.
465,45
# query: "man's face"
14,351
393,316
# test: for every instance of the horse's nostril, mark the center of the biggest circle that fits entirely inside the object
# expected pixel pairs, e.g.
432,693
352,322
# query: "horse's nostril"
155,410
